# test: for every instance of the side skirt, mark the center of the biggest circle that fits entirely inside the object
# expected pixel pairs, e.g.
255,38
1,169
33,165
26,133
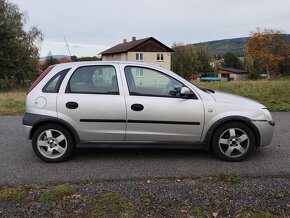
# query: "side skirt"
149,145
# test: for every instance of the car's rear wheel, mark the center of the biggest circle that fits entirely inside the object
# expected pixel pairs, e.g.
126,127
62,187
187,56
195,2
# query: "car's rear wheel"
52,143
233,141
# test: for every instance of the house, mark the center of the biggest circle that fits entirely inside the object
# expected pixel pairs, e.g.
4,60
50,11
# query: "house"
227,74
147,49
195,77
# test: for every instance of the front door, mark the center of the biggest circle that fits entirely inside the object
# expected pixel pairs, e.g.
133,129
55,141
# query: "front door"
93,103
155,110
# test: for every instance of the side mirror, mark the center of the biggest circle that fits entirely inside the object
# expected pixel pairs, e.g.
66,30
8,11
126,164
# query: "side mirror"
185,91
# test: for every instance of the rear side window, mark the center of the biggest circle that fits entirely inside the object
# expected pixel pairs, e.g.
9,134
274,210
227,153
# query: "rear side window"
94,80
52,86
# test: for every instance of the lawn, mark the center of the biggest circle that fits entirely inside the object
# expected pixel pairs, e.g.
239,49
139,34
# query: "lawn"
12,103
275,94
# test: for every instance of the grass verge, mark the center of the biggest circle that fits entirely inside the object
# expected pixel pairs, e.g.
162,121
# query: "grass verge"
16,193
59,192
205,197
113,204
12,103
274,94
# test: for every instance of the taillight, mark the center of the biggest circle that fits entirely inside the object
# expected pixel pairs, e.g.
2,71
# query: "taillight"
41,76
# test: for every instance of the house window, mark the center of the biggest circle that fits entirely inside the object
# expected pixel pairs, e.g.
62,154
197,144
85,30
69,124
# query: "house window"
139,56
159,57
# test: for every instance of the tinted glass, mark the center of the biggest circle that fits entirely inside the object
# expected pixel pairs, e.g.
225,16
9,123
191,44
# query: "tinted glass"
52,86
151,83
94,79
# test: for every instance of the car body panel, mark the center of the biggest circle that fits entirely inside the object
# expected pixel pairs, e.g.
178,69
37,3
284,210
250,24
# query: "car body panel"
99,117
163,118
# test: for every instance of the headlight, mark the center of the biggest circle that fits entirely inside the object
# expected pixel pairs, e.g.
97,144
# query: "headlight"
267,114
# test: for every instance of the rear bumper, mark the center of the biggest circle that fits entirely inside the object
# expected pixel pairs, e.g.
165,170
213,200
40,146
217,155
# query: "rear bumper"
266,130
27,130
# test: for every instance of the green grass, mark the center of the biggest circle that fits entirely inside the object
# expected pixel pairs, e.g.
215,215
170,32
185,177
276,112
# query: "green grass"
230,178
58,192
12,103
113,204
9,194
274,94
259,214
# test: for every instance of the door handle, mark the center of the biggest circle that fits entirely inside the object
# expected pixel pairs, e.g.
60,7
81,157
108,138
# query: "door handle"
137,107
72,105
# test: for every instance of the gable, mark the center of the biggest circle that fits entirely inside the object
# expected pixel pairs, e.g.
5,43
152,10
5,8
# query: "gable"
141,45
151,45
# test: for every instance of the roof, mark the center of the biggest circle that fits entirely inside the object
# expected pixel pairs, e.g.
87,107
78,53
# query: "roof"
233,70
127,46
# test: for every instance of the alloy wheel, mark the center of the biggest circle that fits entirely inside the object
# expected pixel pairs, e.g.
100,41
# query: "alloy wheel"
52,144
234,142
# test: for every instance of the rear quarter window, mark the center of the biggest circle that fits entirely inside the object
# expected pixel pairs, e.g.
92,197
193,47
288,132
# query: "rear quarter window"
52,86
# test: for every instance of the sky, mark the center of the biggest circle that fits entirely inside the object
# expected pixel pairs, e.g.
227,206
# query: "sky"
92,26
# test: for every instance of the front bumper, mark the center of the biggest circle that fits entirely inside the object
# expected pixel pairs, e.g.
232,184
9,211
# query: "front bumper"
266,130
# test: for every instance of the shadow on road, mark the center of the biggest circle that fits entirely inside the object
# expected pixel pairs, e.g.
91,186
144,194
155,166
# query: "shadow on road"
160,154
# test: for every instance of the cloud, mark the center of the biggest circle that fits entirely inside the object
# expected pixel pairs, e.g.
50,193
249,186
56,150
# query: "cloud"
105,23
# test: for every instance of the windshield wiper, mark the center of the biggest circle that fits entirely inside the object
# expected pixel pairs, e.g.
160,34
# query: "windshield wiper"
207,90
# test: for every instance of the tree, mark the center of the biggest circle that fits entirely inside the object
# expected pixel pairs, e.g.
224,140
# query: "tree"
18,48
266,49
204,58
231,60
93,58
184,60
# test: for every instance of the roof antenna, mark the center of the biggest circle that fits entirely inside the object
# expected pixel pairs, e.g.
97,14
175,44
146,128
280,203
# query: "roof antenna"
67,48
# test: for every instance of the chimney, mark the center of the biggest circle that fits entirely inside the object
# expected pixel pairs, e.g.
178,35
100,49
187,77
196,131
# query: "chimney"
124,40
134,38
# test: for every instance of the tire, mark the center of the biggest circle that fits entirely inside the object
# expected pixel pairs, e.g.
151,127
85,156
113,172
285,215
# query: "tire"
53,143
233,141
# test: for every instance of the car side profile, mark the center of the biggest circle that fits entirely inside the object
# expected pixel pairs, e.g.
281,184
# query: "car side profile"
136,104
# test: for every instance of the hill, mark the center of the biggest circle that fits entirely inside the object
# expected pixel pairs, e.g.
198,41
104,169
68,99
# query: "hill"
54,56
235,45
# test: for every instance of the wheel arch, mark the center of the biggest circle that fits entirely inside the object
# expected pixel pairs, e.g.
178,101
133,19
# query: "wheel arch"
217,124
36,121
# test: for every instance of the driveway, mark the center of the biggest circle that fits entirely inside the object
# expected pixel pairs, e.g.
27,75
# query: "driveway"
20,166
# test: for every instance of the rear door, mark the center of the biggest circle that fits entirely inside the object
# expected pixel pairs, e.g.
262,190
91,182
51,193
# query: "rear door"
154,113
92,102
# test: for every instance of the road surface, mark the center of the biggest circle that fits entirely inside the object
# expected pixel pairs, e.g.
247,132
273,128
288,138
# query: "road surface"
20,166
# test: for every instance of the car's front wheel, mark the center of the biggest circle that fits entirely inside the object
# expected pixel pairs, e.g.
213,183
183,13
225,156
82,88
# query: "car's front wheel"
52,143
233,141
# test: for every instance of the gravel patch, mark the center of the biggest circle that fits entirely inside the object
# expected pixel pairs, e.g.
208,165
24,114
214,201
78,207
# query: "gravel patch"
223,196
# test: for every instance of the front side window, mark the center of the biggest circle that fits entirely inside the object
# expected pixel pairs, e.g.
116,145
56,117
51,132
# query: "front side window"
153,83
139,56
94,80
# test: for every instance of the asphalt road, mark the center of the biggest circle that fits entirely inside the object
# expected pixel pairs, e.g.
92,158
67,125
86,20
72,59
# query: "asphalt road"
18,164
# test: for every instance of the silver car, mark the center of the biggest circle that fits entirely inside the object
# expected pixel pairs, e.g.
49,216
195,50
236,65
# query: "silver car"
136,104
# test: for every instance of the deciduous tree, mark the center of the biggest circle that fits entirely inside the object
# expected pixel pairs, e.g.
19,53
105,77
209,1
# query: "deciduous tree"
267,49
231,60
184,60
18,48
204,58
